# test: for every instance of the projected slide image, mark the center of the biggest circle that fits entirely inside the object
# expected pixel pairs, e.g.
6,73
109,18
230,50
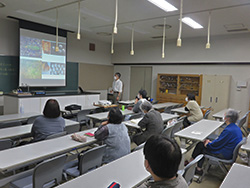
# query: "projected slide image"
31,69
62,49
46,47
57,69
45,68
30,47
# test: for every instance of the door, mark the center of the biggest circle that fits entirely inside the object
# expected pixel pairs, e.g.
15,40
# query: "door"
221,97
208,85
141,78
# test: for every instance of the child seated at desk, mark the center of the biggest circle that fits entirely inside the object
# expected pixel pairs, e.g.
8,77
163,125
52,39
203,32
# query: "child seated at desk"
48,124
115,135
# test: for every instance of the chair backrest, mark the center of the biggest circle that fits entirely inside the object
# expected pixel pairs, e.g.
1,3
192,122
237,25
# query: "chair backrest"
135,116
139,147
10,124
5,144
189,170
91,158
81,116
49,170
236,149
56,135
72,129
32,119
206,114
168,131
168,109
177,127
243,120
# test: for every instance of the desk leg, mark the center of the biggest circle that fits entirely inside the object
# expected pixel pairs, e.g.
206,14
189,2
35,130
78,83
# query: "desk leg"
183,143
91,123
181,166
248,156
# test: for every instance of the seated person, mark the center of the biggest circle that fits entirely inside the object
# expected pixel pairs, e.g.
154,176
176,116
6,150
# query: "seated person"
48,124
115,135
162,160
152,123
140,98
224,145
194,109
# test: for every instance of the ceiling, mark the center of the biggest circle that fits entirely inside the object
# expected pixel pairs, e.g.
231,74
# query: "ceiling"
98,16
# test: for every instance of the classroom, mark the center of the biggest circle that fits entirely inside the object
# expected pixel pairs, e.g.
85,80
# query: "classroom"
104,89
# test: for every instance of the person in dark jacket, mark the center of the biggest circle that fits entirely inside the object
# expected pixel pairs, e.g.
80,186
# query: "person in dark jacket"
224,145
152,123
115,135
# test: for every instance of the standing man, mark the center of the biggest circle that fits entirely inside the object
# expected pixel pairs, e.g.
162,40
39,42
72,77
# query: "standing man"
117,88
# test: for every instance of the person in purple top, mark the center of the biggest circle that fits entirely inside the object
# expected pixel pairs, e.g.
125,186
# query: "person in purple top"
224,145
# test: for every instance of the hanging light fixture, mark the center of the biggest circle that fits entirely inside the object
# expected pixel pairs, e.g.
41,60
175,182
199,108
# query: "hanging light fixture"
79,21
57,49
163,39
116,17
208,31
112,44
180,26
132,41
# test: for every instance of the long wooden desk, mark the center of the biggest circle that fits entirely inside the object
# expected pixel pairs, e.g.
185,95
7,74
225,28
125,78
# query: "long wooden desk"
103,115
15,158
198,131
134,123
128,171
164,105
25,130
219,115
13,117
237,177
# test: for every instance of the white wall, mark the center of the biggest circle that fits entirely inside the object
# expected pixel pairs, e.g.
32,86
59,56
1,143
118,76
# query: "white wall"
125,78
9,37
78,51
231,48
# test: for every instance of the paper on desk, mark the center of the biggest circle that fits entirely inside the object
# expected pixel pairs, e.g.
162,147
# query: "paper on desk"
196,132
135,121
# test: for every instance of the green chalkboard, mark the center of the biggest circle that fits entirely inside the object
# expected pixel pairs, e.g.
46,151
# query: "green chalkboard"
9,75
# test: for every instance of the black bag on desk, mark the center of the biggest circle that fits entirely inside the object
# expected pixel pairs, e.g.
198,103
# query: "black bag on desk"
73,107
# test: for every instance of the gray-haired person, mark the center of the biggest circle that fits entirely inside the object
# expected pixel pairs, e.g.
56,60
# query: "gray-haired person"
150,124
224,145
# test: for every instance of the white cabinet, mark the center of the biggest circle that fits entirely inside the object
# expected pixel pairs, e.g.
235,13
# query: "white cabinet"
12,104
216,91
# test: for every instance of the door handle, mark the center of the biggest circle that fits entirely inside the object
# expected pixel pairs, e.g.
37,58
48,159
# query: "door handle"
211,99
216,99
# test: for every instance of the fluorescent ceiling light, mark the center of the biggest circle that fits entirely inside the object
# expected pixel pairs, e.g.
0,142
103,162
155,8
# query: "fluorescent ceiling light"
164,5
191,23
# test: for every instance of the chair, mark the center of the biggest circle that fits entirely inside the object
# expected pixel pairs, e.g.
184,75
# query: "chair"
189,170
241,123
179,105
46,174
82,118
206,114
168,131
5,144
177,127
32,119
10,124
139,147
88,160
211,160
55,135
168,109
72,129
